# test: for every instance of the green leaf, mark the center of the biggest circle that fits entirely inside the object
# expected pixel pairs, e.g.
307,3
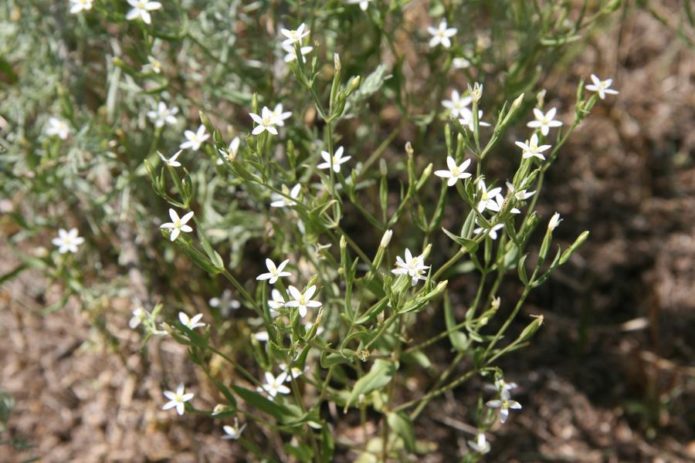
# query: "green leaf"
261,403
379,376
457,338
403,427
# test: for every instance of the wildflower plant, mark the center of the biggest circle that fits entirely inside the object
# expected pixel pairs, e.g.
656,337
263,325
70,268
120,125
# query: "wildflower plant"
248,142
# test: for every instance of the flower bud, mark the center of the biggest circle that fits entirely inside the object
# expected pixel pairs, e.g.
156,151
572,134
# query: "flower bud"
554,222
386,239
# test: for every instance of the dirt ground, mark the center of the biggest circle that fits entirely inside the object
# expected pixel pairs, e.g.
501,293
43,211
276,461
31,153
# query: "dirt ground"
609,378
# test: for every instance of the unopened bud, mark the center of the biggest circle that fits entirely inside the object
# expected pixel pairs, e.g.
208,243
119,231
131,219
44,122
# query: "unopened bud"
336,62
386,239
554,221
476,92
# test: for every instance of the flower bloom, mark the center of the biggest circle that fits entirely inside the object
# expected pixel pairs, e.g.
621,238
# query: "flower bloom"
78,6
225,303
280,115
67,241
530,148
480,444
602,87
230,153
291,52
544,121
294,36
488,198
171,162
266,122
177,224
153,66
191,323
278,200
274,385
333,162
274,272
302,300
466,119
457,103
504,404
177,399
276,302
233,432
441,35
455,173
413,266
163,115
460,63
194,139
491,232
141,9
554,221
57,128
139,315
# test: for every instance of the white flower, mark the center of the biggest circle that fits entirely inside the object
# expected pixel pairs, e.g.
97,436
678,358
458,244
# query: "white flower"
364,4
476,91
177,224
276,303
294,372
554,221
386,238
441,35
262,336
278,200
266,122
233,432
504,404
274,385
602,87
139,316
171,162
280,115
503,387
225,303
291,52
141,9
57,128
455,173
153,66
274,272
521,195
177,399
491,232
457,104
466,119
163,115
488,198
530,148
194,139
480,444
544,121
68,241
413,266
460,63
302,300
78,6
333,162
231,152
309,325
191,323
294,36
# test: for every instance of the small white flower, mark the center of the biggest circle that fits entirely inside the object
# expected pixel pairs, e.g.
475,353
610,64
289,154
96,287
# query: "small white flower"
278,200
544,121
233,432
413,266
141,10
275,385
78,6
276,302
153,66
476,92
194,139
503,387
554,221
333,162
67,241
230,153
460,63
530,148
309,325
139,316
191,323
177,399
455,173
294,36
266,122
466,119
262,336
57,128
294,372
480,444
602,87
177,224
291,52
171,162
491,232
457,104
441,35
364,4
274,272
521,195
488,198
225,303
163,115
504,405
280,115
302,300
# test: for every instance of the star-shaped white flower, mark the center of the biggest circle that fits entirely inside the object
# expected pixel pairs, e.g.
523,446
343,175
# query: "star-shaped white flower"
521,195
455,173
602,87
441,35
141,10
274,272
153,66
171,162
194,139
466,119
293,372
291,52
480,444
504,404
177,399
280,115
276,302
57,128
177,224
163,115
225,303
278,200
530,148
230,153
274,385
457,104
294,36
491,232
488,198
266,122
544,121
233,432
412,266
364,4
192,322
67,241
302,300
139,315
78,6
333,162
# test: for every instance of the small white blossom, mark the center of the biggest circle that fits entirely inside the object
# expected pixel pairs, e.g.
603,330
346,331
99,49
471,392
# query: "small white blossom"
67,241
141,10
266,122
455,173
602,87
171,162
466,119
457,104
333,162
278,200
274,385
274,272
554,221
480,444
544,121
530,148
153,66
177,224
192,322
441,35
294,36
302,300
364,4
503,387
276,302
177,399
57,128
291,52
521,195
194,139
233,432
460,63
139,315
294,372
78,6
413,266
504,405
163,115
225,303
488,198
230,153
262,336
491,232
280,115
